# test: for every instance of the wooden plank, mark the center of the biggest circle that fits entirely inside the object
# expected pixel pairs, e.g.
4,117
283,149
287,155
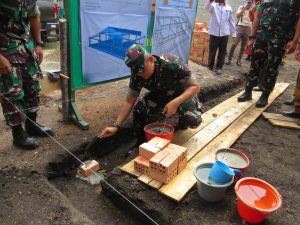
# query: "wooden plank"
155,184
208,133
182,183
182,136
285,124
129,168
144,178
277,116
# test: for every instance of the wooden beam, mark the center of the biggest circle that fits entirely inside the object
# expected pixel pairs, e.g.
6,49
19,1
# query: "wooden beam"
207,134
183,182
129,168
181,136
276,116
285,124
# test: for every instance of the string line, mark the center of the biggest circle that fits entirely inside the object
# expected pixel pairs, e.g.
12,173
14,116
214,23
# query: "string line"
74,156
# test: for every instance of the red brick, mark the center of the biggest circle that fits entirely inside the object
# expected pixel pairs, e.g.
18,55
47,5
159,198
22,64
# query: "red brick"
181,165
87,170
156,159
148,151
141,165
159,142
179,148
169,163
163,178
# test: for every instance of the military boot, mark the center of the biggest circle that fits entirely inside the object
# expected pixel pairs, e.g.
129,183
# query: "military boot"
35,129
246,96
263,100
21,138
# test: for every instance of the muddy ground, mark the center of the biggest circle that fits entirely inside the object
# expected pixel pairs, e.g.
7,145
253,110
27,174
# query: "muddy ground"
39,187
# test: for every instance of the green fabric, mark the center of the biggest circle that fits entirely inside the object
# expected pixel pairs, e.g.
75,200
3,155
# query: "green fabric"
278,18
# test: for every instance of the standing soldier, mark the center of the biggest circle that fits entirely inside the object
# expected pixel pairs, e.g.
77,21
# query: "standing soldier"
173,92
273,27
20,55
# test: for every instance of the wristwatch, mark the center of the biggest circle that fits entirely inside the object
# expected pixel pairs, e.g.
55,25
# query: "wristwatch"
253,37
39,43
116,125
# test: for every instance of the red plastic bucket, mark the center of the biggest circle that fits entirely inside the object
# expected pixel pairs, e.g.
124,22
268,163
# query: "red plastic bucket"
235,159
162,130
256,199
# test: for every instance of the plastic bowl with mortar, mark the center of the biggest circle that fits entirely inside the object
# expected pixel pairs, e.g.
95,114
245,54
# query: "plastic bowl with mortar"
162,130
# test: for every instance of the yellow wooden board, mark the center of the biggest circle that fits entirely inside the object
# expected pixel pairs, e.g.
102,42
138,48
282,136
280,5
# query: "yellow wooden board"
184,181
208,133
129,168
212,115
182,136
286,124
145,178
276,116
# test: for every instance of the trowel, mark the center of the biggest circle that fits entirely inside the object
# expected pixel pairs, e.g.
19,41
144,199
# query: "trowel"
93,143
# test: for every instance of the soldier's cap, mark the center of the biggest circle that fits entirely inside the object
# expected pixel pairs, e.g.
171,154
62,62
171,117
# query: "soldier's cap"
135,57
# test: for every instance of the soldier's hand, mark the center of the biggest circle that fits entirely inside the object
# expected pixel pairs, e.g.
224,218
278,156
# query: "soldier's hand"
40,54
297,55
170,108
108,131
291,47
250,43
5,66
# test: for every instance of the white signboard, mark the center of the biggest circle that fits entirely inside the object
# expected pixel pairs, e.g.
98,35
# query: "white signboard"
173,27
108,28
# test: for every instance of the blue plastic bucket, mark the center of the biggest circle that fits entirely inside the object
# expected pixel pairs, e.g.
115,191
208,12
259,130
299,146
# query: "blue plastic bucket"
207,188
221,173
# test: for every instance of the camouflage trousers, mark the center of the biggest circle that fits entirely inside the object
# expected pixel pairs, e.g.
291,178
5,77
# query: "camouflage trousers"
19,91
297,94
266,57
149,110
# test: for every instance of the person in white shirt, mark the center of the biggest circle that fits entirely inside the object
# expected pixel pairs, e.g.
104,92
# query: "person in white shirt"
243,30
222,25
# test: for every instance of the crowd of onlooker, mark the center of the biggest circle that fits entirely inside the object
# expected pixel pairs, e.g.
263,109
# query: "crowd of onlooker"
268,30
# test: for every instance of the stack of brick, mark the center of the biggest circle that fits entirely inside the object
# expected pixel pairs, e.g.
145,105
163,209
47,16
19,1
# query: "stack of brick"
160,159
200,44
164,167
181,153
142,165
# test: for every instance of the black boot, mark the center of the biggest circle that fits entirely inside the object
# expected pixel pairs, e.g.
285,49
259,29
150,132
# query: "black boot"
263,100
35,129
246,96
21,139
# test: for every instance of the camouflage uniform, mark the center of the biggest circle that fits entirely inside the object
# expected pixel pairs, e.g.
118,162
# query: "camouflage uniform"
276,28
21,87
170,79
297,94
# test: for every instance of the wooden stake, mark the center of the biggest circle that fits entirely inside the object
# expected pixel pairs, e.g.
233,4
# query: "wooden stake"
64,76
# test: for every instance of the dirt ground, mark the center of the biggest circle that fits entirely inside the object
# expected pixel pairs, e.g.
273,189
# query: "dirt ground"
39,187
